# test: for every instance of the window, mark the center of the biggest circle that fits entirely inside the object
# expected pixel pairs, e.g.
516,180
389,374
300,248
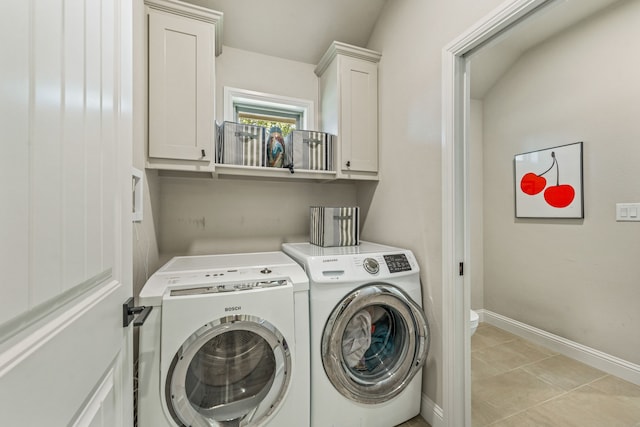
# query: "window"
257,108
285,120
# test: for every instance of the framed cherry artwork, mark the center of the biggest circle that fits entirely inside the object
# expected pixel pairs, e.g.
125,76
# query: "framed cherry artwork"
548,183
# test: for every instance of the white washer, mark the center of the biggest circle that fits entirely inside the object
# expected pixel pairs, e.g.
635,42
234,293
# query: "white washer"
226,343
369,334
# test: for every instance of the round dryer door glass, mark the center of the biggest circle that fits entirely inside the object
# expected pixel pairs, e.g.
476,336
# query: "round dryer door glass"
374,343
231,372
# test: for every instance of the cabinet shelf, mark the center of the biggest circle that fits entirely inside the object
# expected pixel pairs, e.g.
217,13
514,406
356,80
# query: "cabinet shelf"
222,169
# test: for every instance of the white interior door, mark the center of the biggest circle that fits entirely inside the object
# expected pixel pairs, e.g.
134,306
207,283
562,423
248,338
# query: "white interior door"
65,180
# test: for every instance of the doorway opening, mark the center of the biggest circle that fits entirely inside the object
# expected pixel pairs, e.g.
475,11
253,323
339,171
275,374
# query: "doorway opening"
458,192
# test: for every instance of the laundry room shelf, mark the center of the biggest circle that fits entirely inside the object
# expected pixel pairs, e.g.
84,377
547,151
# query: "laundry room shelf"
273,173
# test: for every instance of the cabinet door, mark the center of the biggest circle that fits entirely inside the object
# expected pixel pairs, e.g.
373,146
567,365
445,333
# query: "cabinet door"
359,115
181,76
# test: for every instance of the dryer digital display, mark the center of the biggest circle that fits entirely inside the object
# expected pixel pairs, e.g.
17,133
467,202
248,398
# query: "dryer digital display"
397,263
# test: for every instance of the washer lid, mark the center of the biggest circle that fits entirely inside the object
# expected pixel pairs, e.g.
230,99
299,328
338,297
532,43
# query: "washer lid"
300,251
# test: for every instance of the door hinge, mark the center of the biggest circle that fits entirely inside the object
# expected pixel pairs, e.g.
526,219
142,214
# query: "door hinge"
461,269
129,312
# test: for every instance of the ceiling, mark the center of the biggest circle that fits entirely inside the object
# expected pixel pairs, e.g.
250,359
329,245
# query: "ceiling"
300,30
492,61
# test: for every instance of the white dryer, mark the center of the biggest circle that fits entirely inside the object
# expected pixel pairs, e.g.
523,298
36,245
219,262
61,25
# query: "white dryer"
226,343
369,334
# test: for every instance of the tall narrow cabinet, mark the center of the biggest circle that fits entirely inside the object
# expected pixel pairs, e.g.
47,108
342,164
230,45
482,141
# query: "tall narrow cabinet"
348,80
182,41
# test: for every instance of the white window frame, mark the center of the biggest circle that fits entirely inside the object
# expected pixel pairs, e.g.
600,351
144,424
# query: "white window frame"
260,99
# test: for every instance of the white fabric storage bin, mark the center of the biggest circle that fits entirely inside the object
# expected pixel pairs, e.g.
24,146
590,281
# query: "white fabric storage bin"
334,226
240,144
310,150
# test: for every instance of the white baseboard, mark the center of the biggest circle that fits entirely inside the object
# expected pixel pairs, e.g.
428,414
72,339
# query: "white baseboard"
605,362
431,412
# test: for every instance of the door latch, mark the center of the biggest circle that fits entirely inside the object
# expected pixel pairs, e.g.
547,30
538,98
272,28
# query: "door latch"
129,313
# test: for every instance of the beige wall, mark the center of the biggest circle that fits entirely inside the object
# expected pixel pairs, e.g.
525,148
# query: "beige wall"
575,278
241,69
405,208
237,215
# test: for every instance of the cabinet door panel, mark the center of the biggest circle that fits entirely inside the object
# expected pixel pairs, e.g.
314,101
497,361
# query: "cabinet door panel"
180,87
359,116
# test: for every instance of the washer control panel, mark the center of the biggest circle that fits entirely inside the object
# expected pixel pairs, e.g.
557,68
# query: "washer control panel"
394,263
342,268
371,265
397,263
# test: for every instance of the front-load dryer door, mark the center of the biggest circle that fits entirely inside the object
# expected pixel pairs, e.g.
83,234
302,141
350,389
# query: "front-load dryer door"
374,343
230,372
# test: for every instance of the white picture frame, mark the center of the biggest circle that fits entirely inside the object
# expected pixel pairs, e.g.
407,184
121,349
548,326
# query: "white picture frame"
548,183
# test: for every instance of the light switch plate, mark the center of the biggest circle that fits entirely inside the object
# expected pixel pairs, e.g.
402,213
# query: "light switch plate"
627,212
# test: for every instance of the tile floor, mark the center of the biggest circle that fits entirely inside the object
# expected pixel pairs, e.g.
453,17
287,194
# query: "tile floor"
518,384
415,422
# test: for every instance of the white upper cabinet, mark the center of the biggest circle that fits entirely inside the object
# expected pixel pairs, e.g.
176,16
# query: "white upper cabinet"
183,41
348,79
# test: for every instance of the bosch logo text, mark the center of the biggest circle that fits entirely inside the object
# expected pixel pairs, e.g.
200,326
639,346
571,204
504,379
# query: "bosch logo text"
233,308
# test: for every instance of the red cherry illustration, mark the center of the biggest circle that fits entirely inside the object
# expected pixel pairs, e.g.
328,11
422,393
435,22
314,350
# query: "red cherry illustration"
532,184
559,196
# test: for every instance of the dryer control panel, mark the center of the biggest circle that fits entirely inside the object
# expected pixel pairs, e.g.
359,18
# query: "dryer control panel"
228,287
